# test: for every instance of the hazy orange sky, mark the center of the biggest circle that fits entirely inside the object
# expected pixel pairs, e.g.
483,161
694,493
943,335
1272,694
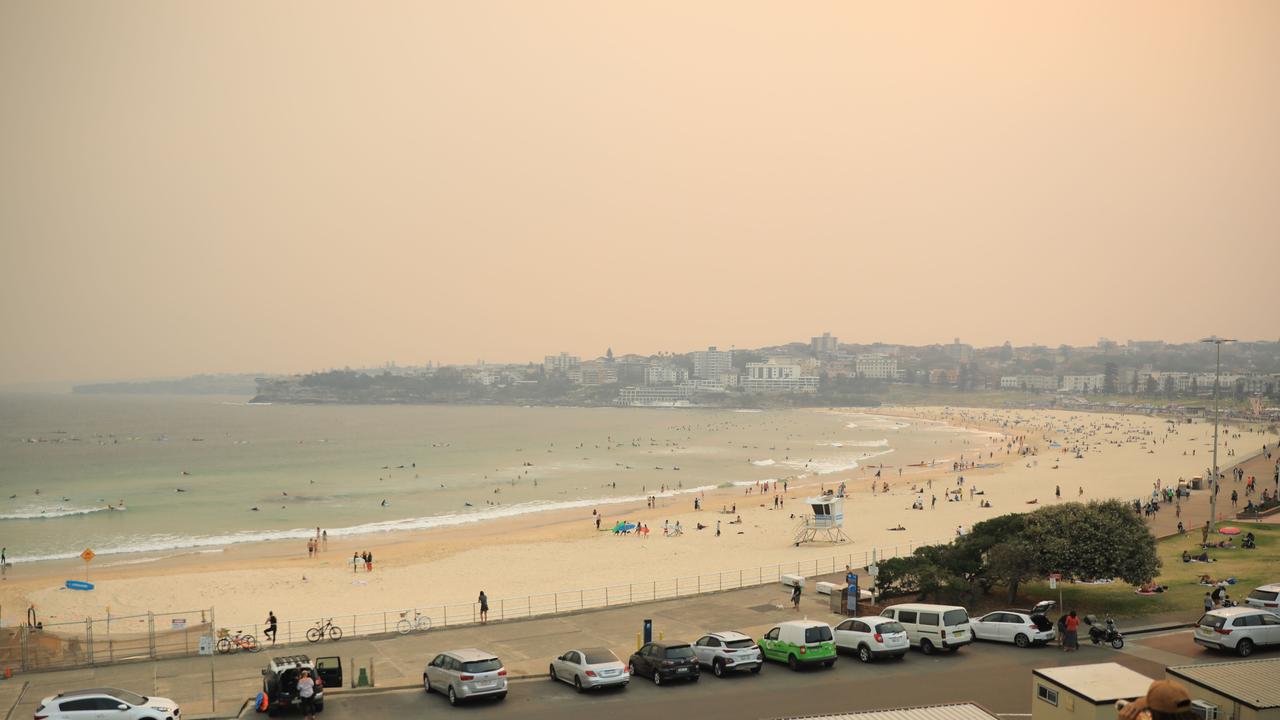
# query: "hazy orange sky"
280,186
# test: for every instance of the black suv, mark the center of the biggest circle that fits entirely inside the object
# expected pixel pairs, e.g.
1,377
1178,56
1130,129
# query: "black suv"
665,661
280,680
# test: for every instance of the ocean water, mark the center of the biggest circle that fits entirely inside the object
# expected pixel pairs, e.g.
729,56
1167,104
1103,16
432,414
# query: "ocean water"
188,471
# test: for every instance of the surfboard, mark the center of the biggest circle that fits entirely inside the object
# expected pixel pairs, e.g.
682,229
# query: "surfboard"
79,585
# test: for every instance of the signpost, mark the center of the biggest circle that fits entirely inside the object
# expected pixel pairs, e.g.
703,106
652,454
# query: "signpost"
1053,584
86,556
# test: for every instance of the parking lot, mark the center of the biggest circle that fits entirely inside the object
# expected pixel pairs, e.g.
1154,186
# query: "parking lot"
997,676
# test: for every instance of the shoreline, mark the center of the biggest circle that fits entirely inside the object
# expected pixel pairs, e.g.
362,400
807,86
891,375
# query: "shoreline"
559,549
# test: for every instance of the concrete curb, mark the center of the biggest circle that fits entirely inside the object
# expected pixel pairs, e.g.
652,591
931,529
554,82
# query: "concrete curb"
1158,628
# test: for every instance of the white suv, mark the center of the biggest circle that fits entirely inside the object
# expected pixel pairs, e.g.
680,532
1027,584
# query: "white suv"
726,651
872,637
1266,597
106,702
1241,629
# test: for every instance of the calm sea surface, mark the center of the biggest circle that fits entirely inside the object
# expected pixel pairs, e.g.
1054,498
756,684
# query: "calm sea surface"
190,470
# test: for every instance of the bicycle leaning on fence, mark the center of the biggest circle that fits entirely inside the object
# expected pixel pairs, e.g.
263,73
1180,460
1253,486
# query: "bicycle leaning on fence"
419,622
240,641
322,628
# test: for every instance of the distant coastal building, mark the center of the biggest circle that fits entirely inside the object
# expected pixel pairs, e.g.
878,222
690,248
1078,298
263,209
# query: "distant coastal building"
824,345
710,363
564,362
1083,383
960,352
1034,383
879,367
777,377
944,376
597,372
664,375
655,395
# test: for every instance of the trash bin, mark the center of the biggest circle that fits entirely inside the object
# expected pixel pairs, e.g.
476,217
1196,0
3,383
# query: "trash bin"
840,600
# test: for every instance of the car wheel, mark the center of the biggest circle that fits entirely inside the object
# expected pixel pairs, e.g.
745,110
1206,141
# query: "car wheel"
426,683
1244,648
657,678
864,653
453,697
756,670
717,668
500,697
1022,640
829,664
694,678
577,683
792,662
926,647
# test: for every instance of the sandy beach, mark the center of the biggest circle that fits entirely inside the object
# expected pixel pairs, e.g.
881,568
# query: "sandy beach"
1021,456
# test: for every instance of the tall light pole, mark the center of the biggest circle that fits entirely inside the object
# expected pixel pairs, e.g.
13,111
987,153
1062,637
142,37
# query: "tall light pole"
1217,381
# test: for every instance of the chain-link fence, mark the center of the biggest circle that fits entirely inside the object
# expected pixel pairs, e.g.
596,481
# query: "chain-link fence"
153,636
150,636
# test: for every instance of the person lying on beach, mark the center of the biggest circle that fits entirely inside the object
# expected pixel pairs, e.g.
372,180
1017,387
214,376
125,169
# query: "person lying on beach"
897,529
736,522
1033,501
700,526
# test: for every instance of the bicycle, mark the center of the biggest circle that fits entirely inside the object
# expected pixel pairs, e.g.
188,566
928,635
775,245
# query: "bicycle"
240,641
323,628
419,622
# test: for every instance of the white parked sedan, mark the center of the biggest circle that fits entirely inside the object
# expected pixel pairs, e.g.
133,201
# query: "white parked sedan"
106,702
590,668
1019,627
872,637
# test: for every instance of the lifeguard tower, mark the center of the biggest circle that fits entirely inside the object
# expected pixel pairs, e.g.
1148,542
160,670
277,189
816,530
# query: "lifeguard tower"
827,522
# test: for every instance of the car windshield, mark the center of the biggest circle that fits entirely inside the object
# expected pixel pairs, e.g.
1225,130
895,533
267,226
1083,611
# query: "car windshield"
955,617
598,657
738,644
889,627
1264,595
679,652
479,666
821,633
1213,621
131,698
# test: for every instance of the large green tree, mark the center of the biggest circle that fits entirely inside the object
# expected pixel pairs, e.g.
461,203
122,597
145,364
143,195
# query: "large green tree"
1096,540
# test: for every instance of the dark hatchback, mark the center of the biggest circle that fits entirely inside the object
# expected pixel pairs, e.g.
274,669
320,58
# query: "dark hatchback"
661,662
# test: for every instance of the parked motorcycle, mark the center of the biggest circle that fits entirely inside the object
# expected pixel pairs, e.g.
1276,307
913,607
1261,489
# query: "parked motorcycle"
1106,634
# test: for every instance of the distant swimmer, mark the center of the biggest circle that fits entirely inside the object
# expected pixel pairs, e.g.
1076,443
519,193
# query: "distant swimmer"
184,472
284,493
467,504
179,490
13,496
384,503
253,509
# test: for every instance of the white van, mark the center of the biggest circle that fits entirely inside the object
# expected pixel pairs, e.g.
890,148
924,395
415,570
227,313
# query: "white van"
930,627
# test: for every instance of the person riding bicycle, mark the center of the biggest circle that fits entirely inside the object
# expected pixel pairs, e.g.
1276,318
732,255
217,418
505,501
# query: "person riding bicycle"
271,626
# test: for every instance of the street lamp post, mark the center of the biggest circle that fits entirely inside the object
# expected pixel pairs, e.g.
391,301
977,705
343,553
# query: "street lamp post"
1217,381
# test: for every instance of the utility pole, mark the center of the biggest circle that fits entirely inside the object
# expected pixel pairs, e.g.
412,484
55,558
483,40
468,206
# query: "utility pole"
1217,381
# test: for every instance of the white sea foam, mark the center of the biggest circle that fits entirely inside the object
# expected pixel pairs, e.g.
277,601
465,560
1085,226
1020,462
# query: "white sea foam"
47,513
762,463
748,410
856,443
166,542
827,466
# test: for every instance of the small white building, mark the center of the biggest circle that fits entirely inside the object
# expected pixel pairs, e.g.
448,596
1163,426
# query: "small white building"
664,375
1084,692
956,711
777,377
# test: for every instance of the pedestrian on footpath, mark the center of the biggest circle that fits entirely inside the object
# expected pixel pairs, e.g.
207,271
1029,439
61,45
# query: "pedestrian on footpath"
307,695
1073,632
795,597
271,627
484,607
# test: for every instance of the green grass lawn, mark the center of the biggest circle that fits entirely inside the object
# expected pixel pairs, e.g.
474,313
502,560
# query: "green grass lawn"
1185,595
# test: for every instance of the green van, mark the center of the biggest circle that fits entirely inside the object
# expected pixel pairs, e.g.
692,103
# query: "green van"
800,642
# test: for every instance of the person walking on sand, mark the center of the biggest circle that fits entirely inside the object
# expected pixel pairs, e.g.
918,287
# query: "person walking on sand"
795,597
324,539
271,627
368,561
355,562
484,607
717,528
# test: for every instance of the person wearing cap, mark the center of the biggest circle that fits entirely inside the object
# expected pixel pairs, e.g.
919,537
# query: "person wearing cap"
1165,700
307,695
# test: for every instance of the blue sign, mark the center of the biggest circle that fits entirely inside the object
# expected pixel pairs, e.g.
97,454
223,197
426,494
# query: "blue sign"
852,602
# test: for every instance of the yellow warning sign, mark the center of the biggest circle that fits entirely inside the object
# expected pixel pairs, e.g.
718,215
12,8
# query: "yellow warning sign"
87,555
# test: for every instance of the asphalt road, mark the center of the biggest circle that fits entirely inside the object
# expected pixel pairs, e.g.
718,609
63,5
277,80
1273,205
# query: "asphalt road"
995,676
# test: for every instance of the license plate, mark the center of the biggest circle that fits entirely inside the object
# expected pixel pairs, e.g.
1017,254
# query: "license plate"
1205,631
960,632
486,685
682,670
